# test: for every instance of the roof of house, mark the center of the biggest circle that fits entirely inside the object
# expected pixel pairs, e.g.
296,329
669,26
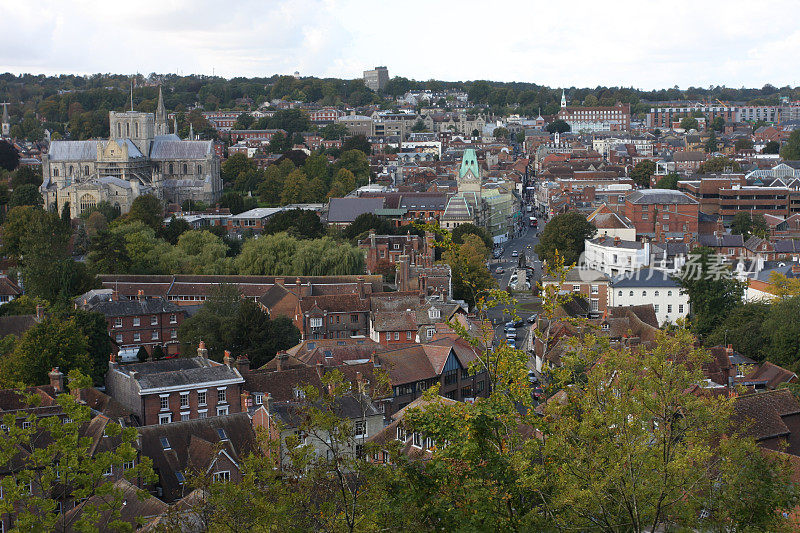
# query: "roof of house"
16,324
347,209
135,510
8,287
761,414
178,372
166,148
660,196
725,240
130,307
645,277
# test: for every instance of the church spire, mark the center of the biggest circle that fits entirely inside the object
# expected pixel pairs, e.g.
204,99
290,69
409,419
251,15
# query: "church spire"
5,125
191,131
161,115
563,99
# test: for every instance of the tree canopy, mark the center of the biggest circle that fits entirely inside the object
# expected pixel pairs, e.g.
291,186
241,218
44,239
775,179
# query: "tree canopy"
790,151
565,233
642,172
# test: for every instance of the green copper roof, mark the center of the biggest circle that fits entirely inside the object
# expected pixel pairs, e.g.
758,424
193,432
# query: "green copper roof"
469,162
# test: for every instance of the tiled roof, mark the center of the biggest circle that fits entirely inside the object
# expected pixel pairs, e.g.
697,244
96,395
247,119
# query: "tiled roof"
659,196
178,372
164,149
394,321
761,414
645,277
136,307
347,209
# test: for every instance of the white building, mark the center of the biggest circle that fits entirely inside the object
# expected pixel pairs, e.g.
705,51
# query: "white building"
651,286
614,256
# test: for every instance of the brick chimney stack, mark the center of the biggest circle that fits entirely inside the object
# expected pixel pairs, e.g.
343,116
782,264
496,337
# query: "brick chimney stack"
228,359
140,295
242,364
56,380
202,351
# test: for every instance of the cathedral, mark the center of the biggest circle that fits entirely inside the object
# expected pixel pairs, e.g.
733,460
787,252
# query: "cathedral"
141,157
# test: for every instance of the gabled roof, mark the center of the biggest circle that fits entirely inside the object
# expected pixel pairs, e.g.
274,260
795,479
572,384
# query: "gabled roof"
347,209
659,196
164,148
179,372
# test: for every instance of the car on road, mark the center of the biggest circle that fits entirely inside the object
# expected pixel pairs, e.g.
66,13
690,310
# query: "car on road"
519,323
512,343
497,254
515,254
509,325
499,270
511,333
532,318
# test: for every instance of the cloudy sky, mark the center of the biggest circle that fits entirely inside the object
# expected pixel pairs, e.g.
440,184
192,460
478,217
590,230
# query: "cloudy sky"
640,43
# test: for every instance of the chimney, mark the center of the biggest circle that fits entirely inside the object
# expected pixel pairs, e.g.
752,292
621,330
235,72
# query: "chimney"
202,351
280,360
280,281
39,312
320,370
140,295
242,364
56,380
360,382
360,287
228,359
112,361
115,295
617,240
247,402
268,402
729,350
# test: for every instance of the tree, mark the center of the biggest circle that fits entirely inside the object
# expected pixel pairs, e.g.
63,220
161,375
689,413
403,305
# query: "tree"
463,230
298,223
590,101
718,124
236,165
108,253
500,133
25,175
148,210
745,225
26,194
565,233
712,289
791,148
343,183
357,142
9,157
772,147
365,222
333,131
670,181
419,126
60,462
557,126
244,121
96,223
278,143
719,164
711,143
642,172
50,343
689,123
294,188
743,328
173,229
782,331
471,278
356,162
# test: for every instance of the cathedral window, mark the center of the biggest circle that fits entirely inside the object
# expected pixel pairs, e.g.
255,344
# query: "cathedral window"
170,168
86,170
185,168
70,170
55,172
87,202
119,129
127,130
199,169
137,129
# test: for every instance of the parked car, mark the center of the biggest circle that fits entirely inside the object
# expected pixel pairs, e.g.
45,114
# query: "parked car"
511,334
515,254
499,270
512,342
519,323
508,325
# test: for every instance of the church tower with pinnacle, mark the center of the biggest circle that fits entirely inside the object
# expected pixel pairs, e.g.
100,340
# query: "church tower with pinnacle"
563,99
162,127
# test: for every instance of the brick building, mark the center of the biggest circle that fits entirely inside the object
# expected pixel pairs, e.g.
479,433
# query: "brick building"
662,214
601,118
383,251
253,135
139,322
592,285
754,200
169,390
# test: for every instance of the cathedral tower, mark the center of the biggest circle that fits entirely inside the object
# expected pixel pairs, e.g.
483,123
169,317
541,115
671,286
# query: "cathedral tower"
5,125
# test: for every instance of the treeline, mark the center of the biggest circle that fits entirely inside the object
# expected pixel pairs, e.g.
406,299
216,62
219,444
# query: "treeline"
312,179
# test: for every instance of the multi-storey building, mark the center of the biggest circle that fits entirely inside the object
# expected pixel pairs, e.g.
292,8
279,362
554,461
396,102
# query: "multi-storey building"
664,117
253,135
180,389
662,214
754,200
136,323
377,78
383,251
592,285
599,118
326,115
651,286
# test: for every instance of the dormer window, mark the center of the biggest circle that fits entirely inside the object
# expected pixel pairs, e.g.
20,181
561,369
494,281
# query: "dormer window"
221,434
434,312
165,443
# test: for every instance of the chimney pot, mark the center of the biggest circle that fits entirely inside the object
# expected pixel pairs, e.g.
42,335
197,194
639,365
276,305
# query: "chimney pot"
202,351
242,364
56,379
228,359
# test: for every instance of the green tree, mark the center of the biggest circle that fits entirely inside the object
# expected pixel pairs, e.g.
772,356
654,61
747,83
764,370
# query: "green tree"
743,144
357,142
501,133
356,162
772,147
419,126
282,255
565,233
670,181
743,328
365,222
713,291
108,254
298,223
236,165
147,209
25,176
50,343
689,123
590,101
9,157
718,124
719,164
173,229
343,183
26,194
557,126
244,121
295,188
333,131
642,172
62,462
463,230
791,148
471,278
711,143
746,225
782,331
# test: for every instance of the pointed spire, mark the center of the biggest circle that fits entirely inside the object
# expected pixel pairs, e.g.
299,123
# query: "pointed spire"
563,99
162,127
191,131
5,113
131,95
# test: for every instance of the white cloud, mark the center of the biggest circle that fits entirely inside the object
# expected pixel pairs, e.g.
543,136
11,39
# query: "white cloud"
583,43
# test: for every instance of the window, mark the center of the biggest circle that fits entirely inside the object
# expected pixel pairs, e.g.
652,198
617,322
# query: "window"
630,294
137,337
119,338
109,471
202,413
222,395
595,289
576,288
201,397
221,434
26,424
180,477
388,336
360,428
259,398
417,440
184,399
619,293
669,293
401,434
118,322
136,321
173,319
656,307
430,333
331,319
222,476
223,410
165,418
315,322
645,216
669,308
644,293
154,320
127,465
299,393
595,304
353,318
154,335
680,308
408,335
165,402
173,334
397,335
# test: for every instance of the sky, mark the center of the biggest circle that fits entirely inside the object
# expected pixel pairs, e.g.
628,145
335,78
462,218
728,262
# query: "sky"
642,43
